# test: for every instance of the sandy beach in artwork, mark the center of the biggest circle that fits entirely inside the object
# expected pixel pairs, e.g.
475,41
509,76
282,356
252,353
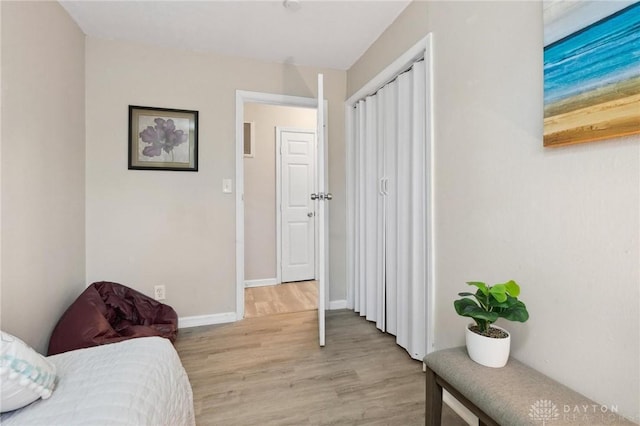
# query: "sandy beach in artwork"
612,110
591,75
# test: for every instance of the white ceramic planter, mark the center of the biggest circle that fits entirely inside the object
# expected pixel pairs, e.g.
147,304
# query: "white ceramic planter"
488,351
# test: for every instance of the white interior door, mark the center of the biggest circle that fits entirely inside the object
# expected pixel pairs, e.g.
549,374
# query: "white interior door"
298,210
322,211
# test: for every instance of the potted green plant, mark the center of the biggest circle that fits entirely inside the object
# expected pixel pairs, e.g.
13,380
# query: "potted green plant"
489,344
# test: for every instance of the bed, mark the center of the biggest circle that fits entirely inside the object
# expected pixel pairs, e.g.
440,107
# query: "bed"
134,382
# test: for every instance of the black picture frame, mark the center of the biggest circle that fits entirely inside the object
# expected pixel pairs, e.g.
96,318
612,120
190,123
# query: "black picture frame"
163,139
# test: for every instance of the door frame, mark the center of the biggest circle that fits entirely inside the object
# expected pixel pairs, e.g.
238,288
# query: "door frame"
242,97
279,182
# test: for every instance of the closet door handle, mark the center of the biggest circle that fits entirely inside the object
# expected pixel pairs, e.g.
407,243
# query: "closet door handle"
384,186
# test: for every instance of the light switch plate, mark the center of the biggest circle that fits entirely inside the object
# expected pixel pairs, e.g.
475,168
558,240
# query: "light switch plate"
226,186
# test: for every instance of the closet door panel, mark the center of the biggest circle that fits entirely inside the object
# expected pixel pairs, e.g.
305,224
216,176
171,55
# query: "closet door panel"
416,345
412,211
354,202
371,210
391,205
403,208
380,208
361,208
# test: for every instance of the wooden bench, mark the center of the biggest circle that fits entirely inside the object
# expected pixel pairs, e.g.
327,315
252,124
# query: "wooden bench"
512,395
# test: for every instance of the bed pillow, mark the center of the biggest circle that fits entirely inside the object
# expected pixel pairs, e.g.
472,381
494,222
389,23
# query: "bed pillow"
25,375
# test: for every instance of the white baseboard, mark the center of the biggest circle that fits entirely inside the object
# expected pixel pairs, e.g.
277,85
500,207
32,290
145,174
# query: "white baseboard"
460,409
337,304
198,320
261,283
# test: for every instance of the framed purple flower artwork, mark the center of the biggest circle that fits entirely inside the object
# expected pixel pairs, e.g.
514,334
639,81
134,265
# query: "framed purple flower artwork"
163,139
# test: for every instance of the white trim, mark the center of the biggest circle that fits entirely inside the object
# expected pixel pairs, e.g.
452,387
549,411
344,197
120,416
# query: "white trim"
261,283
278,205
242,97
424,48
198,320
459,409
430,291
337,304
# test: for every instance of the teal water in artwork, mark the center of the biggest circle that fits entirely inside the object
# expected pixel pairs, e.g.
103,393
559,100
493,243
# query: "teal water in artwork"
603,53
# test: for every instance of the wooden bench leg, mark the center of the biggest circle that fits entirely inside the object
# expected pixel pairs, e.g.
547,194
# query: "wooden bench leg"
433,408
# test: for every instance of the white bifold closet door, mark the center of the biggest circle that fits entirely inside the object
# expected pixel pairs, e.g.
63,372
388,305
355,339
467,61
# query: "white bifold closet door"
389,208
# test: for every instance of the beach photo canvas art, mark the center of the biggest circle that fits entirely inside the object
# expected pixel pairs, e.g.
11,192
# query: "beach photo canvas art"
591,70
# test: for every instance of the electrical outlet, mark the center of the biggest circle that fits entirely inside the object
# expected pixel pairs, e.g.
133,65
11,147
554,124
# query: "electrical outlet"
159,292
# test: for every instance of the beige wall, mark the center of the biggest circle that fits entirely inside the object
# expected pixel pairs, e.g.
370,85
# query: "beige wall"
408,28
260,184
146,228
42,167
563,222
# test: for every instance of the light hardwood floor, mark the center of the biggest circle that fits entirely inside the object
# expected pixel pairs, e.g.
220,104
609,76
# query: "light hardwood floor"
270,371
280,299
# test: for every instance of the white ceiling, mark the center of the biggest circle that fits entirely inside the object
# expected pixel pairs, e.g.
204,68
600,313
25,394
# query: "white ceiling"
322,33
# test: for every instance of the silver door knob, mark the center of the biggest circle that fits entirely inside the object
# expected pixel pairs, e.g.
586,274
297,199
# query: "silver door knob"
310,214
314,196
328,196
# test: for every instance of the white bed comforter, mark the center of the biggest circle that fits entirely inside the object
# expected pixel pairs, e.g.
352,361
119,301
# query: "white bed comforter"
134,382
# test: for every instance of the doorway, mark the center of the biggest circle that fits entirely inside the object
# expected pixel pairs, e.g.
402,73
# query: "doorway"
259,261
279,240
279,176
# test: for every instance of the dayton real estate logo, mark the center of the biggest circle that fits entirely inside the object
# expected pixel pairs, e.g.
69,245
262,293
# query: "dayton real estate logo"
544,411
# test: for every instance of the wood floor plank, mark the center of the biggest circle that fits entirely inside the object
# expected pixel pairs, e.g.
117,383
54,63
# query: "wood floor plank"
270,371
281,298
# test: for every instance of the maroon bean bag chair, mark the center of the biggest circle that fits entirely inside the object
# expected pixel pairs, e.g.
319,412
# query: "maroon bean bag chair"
109,312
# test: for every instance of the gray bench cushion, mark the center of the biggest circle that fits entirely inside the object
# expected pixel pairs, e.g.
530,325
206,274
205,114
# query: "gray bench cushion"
517,394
